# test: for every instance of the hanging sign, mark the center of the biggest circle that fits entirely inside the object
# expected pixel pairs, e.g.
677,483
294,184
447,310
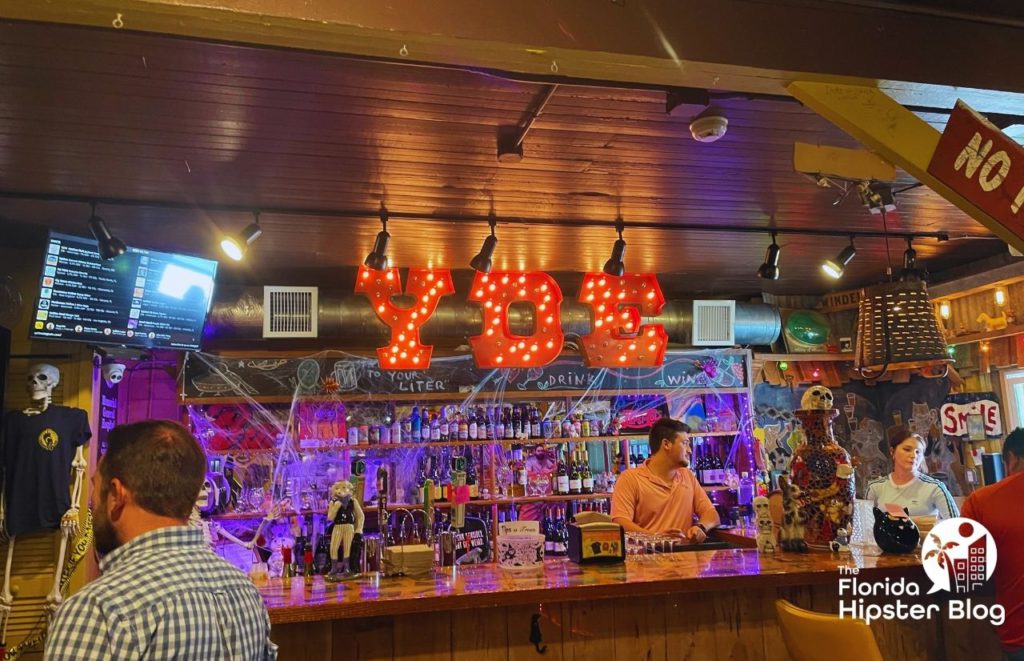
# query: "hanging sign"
616,303
497,346
984,165
840,300
426,287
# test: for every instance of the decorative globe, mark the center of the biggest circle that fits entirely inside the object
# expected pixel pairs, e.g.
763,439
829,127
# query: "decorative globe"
808,327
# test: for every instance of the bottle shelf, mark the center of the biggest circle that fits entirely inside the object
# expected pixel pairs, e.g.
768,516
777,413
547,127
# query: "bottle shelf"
505,443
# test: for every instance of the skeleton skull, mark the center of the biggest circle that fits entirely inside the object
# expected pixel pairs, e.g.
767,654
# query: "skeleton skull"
761,508
112,373
42,379
817,398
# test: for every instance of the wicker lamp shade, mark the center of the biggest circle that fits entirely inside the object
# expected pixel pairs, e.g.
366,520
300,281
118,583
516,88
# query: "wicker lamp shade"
897,329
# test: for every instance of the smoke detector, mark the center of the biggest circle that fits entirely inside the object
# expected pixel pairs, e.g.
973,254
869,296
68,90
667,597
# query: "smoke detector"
708,128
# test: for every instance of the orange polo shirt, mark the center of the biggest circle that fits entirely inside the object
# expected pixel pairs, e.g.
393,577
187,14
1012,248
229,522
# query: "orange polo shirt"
995,507
657,505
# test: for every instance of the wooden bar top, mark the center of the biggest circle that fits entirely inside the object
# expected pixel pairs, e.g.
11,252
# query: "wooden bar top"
560,580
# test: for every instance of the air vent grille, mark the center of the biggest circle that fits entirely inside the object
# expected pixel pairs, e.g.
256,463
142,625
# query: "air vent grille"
290,312
714,323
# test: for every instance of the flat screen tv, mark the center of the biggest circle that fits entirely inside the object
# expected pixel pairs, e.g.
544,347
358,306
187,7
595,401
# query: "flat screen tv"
144,298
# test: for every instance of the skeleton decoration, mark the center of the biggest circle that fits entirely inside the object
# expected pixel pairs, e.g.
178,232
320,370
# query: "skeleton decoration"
113,373
347,516
213,531
817,398
41,381
765,525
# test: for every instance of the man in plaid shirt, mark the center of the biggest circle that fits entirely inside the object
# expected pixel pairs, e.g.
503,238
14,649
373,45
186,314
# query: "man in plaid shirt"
164,593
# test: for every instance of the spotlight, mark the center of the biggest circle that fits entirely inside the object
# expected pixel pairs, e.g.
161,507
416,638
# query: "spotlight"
482,261
236,246
615,266
833,268
770,269
109,245
1000,296
377,259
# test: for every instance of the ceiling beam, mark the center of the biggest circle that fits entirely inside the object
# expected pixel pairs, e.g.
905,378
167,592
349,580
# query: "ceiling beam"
750,47
896,134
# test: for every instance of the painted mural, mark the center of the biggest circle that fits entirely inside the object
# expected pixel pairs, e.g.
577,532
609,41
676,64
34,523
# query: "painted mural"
866,413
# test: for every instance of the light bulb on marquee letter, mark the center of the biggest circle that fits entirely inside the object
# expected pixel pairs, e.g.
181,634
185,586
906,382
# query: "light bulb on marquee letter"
617,339
497,346
426,287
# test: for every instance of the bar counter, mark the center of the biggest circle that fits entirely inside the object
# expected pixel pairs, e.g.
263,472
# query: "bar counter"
693,605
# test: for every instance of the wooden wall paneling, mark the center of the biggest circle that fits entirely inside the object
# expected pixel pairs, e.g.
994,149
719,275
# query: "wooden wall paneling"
308,641
690,627
370,639
553,627
591,631
738,624
481,634
640,630
423,637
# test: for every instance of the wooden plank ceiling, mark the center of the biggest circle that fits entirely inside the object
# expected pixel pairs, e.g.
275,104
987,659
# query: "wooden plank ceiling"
107,113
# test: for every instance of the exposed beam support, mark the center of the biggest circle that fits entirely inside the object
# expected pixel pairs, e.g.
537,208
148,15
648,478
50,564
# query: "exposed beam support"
751,47
896,134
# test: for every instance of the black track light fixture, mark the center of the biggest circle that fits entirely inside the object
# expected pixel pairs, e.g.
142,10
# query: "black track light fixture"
615,266
909,257
237,245
482,261
770,269
833,268
378,259
109,245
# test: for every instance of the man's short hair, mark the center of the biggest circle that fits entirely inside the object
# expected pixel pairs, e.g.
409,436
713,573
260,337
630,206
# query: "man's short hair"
1014,443
665,430
160,462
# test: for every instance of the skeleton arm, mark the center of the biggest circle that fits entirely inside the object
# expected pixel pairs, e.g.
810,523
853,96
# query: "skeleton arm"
272,515
69,522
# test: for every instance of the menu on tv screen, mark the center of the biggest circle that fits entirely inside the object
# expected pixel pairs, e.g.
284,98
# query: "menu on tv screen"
142,298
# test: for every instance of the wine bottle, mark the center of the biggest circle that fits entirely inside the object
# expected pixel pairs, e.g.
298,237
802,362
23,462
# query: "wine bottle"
575,479
588,477
561,534
474,488
414,426
426,432
549,533
463,428
489,422
536,430
563,476
322,557
454,422
517,422
472,426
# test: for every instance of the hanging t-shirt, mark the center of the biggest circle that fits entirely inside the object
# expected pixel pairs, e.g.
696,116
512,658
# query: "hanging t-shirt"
37,454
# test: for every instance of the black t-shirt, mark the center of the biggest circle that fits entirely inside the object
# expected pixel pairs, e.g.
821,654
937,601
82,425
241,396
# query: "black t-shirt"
37,455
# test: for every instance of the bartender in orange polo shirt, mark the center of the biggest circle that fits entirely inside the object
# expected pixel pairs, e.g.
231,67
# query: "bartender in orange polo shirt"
663,495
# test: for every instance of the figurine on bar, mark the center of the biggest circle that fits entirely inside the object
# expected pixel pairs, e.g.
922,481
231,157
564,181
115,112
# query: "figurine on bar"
841,544
823,471
347,516
791,537
765,534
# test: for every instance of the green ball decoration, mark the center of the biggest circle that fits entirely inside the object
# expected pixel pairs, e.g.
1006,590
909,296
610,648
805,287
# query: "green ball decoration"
808,327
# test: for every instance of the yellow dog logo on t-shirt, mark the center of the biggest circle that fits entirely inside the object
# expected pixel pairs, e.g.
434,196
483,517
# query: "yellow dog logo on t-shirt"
48,439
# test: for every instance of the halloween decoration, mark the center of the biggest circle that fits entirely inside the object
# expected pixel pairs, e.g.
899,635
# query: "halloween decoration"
895,534
791,537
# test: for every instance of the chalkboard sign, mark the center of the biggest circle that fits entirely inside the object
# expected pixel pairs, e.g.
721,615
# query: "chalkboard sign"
333,372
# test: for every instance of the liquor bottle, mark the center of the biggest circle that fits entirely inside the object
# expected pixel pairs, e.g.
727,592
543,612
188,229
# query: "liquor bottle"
454,421
446,480
577,424
746,491
585,426
353,435
396,430
407,433
561,534
322,557
425,432
435,428
506,417
435,477
421,479
499,424
517,422
442,428
549,533
385,434
563,476
463,428
546,429
473,426
521,475
474,488
489,425
372,434
575,479
308,568
588,477
535,426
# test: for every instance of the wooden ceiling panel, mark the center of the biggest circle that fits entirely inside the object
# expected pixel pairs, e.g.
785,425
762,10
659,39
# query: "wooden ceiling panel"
112,114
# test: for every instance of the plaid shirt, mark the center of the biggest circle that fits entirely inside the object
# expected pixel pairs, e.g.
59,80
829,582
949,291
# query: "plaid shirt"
164,595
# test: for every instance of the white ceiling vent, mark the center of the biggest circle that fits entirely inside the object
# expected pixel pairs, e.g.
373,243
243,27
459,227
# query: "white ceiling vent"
289,311
714,323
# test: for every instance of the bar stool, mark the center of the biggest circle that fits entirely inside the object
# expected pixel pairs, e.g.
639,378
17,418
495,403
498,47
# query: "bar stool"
811,636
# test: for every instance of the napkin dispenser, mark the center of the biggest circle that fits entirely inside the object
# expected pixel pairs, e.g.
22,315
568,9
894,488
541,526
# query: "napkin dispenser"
596,540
